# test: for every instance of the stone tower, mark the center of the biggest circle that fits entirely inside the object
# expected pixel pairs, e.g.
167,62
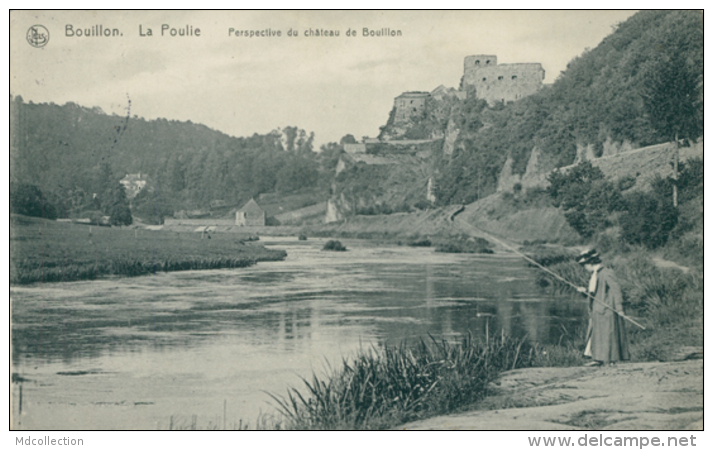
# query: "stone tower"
495,82
409,104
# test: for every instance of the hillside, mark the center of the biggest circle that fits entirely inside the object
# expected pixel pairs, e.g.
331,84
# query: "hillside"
74,152
597,107
458,149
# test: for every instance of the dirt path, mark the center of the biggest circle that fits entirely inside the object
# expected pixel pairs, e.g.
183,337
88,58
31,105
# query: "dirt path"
638,396
666,264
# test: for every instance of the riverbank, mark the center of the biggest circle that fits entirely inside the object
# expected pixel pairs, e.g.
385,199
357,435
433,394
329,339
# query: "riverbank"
664,295
48,251
636,396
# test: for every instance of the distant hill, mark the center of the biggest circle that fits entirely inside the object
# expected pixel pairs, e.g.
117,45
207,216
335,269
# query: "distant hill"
69,151
457,150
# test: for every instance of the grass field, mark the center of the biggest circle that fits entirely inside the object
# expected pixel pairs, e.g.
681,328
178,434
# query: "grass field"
49,251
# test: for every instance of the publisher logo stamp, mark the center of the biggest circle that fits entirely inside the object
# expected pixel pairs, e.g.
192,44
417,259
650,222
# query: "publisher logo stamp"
38,36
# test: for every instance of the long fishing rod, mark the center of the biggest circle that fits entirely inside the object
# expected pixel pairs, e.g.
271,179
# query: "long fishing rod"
532,261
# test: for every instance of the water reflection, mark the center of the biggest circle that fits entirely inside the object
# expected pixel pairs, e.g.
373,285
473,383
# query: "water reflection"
187,341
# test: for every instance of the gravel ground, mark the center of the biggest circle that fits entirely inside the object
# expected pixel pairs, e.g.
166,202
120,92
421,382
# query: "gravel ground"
638,396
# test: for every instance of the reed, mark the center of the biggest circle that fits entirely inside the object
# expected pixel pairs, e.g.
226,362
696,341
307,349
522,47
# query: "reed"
381,388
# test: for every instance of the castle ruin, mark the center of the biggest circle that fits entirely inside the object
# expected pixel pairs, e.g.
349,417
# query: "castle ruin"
409,105
495,82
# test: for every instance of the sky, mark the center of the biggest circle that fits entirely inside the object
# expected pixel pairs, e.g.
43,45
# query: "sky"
240,85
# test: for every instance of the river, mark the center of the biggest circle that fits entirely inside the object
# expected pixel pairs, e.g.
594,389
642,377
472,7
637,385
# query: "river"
204,347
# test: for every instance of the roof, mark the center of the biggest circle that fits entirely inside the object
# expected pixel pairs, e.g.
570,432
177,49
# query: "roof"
414,94
133,177
251,206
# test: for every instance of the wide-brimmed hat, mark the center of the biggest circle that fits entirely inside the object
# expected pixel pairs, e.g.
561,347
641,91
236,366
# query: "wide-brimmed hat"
589,257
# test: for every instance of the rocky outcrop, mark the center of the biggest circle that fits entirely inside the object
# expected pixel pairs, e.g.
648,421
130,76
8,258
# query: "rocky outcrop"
389,176
507,179
451,135
333,214
584,153
614,148
536,171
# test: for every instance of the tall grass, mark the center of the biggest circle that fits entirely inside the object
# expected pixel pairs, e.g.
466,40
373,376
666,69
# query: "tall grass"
48,251
548,256
381,388
662,295
30,273
668,301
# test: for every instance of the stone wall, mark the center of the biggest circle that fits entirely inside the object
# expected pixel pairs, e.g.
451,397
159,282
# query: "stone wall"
642,164
353,149
474,62
505,82
495,82
409,104
200,222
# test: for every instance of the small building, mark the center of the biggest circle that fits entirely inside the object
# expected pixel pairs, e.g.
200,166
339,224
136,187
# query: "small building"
250,215
354,149
409,105
133,184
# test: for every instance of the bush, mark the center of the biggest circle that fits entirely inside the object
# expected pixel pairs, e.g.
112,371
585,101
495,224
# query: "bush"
475,245
647,220
548,256
586,197
535,195
422,242
422,204
95,217
334,246
690,179
625,183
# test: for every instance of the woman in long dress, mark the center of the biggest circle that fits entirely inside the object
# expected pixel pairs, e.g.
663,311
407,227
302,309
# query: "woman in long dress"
606,334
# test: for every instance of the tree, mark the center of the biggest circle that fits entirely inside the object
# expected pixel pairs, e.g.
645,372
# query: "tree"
647,220
29,200
672,97
347,139
119,212
152,205
586,197
297,174
673,102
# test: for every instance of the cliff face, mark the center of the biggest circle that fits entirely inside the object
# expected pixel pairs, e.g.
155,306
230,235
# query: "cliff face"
397,172
402,169
389,176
